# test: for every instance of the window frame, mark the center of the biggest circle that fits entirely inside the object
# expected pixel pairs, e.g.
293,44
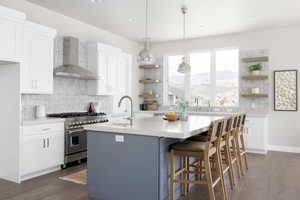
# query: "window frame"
187,82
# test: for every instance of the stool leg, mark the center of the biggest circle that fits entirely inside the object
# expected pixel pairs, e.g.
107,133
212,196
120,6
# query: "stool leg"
244,149
183,185
229,163
209,177
200,170
172,183
235,153
187,160
219,170
237,143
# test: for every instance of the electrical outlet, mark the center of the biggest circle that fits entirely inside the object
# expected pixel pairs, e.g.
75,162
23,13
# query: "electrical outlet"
119,138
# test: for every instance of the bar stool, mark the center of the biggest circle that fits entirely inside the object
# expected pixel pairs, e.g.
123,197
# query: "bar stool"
202,151
223,147
240,143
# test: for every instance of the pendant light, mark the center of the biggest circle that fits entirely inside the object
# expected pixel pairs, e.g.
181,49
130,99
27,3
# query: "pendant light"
184,67
145,56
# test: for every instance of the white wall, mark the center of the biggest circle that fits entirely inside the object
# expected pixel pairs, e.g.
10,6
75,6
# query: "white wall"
284,47
85,32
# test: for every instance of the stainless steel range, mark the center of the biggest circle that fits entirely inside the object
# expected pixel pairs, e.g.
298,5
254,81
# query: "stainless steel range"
75,135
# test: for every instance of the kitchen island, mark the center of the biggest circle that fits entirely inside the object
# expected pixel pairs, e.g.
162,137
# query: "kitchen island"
131,162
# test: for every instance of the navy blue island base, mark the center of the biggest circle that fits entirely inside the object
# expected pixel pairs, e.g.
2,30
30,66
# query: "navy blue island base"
136,169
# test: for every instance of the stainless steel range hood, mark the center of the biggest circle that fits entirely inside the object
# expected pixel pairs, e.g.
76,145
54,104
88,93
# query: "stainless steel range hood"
71,67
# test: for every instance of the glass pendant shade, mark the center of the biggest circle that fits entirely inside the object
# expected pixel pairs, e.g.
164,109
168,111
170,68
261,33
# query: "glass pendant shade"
184,67
145,56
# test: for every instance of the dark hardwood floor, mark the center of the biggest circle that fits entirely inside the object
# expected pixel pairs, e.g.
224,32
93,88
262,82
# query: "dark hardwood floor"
272,177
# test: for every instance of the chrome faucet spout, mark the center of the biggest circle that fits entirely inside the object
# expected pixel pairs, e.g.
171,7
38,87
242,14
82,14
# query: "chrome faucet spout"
131,105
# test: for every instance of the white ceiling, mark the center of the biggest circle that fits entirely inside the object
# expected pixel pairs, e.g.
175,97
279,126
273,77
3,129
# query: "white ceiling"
205,17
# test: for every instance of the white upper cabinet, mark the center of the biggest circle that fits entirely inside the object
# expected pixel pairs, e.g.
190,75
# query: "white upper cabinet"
103,60
11,26
123,83
37,68
113,68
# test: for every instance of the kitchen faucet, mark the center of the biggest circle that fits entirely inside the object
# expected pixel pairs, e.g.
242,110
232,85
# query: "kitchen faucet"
131,109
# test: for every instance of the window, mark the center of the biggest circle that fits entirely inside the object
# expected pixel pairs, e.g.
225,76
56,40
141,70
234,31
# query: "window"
227,90
200,78
175,80
213,79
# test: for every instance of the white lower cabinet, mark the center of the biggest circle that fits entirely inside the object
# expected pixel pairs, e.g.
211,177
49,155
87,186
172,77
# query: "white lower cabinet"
42,149
256,134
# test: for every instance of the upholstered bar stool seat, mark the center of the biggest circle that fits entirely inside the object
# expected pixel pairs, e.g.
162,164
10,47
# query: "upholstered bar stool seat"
199,138
189,146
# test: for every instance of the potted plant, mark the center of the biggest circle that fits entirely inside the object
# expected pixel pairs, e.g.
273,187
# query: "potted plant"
255,69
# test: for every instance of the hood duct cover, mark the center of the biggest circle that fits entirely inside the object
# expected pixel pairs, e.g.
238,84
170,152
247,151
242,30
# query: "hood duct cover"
70,67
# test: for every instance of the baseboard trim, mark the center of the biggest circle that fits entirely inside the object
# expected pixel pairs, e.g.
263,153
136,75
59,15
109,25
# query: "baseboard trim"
40,173
257,151
284,149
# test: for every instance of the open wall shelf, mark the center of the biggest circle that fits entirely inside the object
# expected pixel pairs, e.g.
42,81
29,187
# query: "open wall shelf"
149,81
148,96
256,59
149,66
255,77
255,95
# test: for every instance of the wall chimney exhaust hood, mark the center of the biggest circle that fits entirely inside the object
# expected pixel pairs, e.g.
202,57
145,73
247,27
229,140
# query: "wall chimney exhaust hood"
71,67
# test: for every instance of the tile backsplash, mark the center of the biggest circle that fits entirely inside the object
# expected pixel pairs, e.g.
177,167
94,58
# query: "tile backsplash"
69,95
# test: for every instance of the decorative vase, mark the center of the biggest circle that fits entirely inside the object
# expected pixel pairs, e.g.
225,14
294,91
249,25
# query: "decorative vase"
255,72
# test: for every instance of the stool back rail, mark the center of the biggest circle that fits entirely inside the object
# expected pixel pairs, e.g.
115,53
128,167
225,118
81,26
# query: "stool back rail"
240,140
223,148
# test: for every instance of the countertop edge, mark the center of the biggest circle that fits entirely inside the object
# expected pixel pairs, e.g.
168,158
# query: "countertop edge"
42,121
151,133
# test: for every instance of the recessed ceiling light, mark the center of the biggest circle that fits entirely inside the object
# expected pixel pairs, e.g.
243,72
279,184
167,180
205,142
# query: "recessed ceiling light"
97,1
132,20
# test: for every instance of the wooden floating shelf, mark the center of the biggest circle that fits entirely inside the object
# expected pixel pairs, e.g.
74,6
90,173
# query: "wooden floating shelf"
149,96
255,77
149,66
256,59
149,81
255,95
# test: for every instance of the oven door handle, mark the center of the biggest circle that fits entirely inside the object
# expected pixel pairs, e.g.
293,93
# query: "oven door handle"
77,131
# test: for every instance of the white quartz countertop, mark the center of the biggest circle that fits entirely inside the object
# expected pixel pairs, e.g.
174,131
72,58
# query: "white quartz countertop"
156,126
45,120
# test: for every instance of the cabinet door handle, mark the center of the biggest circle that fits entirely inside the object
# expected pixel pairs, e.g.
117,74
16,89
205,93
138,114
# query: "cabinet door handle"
45,129
48,143
44,143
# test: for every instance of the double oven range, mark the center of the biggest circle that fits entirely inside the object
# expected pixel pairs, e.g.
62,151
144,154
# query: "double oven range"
75,135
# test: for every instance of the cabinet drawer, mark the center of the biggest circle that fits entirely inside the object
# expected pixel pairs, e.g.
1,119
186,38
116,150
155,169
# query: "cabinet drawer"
43,129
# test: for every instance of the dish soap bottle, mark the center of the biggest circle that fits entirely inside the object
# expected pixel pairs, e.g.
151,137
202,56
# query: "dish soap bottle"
183,111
